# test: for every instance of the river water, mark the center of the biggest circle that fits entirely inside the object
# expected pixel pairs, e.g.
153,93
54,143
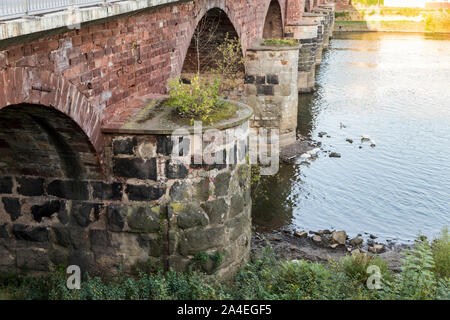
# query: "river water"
394,88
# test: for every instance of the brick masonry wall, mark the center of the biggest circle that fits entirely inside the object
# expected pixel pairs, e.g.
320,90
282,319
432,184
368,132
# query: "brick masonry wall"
100,68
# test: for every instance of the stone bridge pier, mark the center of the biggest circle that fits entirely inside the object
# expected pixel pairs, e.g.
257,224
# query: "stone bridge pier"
87,169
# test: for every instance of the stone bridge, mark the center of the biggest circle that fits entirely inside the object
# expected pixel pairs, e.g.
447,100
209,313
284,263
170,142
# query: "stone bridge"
78,185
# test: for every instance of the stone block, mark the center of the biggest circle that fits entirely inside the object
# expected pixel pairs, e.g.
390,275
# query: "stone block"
222,183
217,210
6,185
71,189
107,191
85,213
188,215
30,186
12,207
237,205
135,168
144,192
29,233
176,170
124,146
143,219
194,241
32,259
48,209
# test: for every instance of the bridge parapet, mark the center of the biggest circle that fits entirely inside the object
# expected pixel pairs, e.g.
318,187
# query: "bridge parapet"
19,18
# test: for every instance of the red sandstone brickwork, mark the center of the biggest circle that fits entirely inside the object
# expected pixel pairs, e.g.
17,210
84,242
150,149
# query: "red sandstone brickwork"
94,73
295,10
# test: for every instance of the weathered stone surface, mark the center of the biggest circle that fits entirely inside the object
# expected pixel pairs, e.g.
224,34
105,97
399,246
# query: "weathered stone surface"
32,258
124,146
6,185
144,192
12,207
107,191
273,79
194,241
189,215
356,241
164,145
30,186
47,210
222,183
176,171
85,213
99,238
238,226
151,243
143,219
376,248
237,205
300,234
179,191
73,190
339,237
317,239
135,168
36,234
201,190
217,210
3,231
116,216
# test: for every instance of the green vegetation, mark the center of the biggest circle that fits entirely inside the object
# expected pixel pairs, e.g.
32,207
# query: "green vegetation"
441,256
367,3
279,43
424,275
198,100
438,21
231,62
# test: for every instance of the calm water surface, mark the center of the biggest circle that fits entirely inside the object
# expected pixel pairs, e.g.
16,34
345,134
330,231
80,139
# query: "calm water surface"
396,89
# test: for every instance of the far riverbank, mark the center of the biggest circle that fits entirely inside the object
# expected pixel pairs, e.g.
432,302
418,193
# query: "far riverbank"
393,20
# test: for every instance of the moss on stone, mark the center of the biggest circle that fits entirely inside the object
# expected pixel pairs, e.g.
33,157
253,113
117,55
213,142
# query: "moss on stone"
279,43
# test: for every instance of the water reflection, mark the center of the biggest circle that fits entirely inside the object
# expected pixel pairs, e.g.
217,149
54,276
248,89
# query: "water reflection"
394,88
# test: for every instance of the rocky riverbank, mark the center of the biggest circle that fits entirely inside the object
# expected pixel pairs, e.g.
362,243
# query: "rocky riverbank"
326,245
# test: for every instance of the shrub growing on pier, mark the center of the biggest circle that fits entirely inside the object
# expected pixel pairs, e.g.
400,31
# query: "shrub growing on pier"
195,100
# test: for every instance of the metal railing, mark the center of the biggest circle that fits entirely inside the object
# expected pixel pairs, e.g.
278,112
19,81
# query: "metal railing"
10,9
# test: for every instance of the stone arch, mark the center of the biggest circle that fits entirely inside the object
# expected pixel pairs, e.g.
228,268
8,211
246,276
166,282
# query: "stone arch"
214,26
274,21
36,86
308,5
43,142
202,8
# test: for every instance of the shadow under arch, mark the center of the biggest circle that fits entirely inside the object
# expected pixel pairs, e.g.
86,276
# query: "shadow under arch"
211,29
43,142
34,86
273,23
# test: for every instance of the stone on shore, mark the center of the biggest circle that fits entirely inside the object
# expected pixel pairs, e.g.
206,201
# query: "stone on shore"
300,234
335,155
356,242
377,248
339,237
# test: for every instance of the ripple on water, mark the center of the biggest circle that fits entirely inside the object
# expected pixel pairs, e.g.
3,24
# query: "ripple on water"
395,89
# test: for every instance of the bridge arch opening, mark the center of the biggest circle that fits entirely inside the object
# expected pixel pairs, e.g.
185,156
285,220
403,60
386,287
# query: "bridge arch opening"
273,25
215,51
43,142
307,6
